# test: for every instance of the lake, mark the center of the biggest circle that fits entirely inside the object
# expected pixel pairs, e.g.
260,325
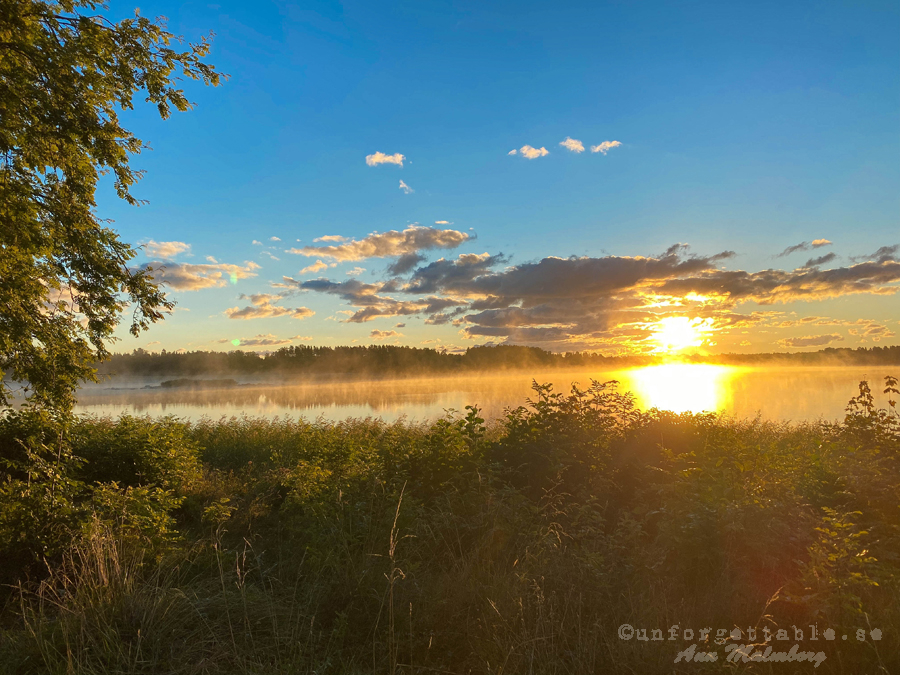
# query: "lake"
775,393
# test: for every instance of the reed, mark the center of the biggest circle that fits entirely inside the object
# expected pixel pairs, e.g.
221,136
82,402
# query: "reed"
287,546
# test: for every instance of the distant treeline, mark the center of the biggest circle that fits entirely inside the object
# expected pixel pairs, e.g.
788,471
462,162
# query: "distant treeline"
381,360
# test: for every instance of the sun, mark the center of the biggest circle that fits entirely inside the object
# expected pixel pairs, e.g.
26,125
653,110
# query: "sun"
675,333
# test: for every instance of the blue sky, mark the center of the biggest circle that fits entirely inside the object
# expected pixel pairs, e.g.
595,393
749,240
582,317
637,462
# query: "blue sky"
742,127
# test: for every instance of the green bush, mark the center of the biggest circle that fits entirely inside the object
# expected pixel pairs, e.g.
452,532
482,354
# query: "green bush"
361,546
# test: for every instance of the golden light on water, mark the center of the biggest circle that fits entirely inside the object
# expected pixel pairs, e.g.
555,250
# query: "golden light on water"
680,387
675,333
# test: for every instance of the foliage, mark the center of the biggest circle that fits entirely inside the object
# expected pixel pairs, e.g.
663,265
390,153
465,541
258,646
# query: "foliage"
361,546
65,73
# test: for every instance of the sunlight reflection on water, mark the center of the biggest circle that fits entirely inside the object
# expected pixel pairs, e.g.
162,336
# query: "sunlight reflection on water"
681,387
775,393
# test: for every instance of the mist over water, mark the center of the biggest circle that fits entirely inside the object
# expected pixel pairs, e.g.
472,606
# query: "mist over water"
781,393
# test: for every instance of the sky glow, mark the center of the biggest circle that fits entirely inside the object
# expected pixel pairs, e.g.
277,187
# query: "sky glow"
622,178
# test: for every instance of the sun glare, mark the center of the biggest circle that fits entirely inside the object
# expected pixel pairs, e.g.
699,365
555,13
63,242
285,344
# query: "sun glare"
681,387
675,333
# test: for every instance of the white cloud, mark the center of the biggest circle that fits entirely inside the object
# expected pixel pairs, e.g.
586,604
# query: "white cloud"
270,255
533,153
388,244
329,237
165,249
406,189
442,222
256,243
513,152
572,144
381,158
274,239
187,277
605,147
317,266
262,306
209,258
816,243
356,271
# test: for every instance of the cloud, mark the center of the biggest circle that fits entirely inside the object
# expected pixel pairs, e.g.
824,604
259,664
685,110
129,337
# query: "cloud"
381,158
388,244
370,300
317,266
274,239
262,306
188,277
883,254
608,302
256,243
804,246
356,271
777,286
513,152
442,222
270,255
261,340
406,189
572,144
384,334
821,260
400,325
605,147
329,237
155,342
533,153
811,340
405,263
165,249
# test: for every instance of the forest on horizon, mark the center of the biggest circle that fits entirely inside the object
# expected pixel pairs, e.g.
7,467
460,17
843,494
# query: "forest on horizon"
380,360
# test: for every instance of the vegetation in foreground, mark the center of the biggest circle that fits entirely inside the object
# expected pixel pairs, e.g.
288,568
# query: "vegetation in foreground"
258,546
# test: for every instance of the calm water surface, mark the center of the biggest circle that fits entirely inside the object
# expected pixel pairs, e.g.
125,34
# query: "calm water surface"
783,394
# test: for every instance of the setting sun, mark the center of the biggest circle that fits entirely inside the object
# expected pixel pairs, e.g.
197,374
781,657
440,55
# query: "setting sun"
678,332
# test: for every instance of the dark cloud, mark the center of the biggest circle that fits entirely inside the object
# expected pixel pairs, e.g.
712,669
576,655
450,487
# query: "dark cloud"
804,246
821,260
261,340
771,286
883,254
590,303
405,263
384,334
811,340
446,274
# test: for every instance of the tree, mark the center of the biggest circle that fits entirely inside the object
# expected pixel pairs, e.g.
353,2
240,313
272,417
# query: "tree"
66,72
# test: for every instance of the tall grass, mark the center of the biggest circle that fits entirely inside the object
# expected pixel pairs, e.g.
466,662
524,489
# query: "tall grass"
281,546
